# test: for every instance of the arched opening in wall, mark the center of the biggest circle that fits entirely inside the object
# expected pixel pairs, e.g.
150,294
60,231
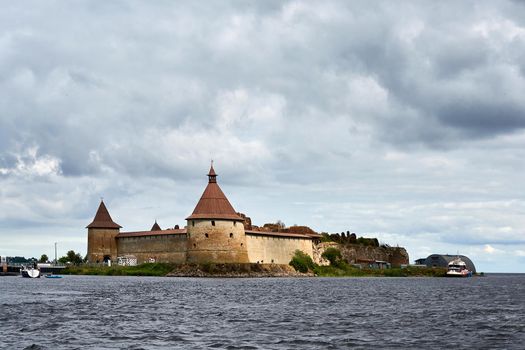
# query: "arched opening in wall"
213,223
192,222
242,244
206,235
194,245
231,235
106,259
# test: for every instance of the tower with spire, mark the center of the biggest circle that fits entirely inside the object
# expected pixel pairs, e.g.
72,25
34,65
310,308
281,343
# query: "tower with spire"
102,233
215,232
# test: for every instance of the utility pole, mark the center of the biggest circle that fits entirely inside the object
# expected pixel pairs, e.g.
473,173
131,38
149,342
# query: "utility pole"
56,261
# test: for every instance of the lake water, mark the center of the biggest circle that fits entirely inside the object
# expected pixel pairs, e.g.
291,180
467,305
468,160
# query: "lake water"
89,312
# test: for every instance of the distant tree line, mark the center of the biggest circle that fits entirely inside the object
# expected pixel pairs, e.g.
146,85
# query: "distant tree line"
349,238
70,258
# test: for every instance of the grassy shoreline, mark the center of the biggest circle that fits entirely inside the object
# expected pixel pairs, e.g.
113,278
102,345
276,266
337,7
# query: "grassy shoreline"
153,269
341,268
246,270
187,270
347,271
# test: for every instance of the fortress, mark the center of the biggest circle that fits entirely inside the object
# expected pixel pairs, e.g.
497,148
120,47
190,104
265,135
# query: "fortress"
215,233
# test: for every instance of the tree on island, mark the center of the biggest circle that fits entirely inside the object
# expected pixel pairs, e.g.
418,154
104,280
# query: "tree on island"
333,255
71,258
43,258
302,262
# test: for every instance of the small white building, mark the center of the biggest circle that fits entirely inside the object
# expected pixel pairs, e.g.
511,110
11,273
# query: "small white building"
127,260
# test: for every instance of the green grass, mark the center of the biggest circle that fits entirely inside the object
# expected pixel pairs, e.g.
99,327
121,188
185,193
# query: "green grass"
339,268
154,269
302,262
344,270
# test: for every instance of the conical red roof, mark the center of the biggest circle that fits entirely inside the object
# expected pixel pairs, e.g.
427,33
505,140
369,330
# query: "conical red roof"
213,203
212,171
103,219
155,227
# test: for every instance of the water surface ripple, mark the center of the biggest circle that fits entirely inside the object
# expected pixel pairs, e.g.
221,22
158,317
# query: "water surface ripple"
89,312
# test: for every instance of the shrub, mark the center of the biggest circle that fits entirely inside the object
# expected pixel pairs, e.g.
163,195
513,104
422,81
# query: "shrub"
333,255
325,237
302,262
370,242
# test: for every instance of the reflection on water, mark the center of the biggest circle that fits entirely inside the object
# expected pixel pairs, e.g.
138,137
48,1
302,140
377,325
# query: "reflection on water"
89,312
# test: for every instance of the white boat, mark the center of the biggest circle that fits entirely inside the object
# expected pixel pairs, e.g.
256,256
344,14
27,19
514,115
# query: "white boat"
458,268
30,272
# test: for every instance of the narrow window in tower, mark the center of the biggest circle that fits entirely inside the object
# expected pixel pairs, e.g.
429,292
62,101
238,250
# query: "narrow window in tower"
206,235
231,235
192,222
241,244
235,223
194,245
213,223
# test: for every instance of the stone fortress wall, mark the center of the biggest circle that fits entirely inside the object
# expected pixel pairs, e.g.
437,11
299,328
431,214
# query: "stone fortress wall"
159,248
274,249
225,243
221,241
102,244
260,248
215,233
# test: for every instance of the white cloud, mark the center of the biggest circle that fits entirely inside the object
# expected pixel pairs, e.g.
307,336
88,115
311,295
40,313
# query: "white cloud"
30,163
489,249
520,253
407,127
240,109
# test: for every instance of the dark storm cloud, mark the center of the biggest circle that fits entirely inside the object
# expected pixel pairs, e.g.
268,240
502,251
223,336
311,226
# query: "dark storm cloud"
480,117
443,68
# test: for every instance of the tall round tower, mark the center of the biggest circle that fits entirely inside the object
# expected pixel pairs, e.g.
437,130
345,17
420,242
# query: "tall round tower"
215,231
102,233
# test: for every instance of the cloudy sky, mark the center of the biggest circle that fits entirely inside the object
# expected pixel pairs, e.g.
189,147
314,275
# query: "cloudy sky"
399,120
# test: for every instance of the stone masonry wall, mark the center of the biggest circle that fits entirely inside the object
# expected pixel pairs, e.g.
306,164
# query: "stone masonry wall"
273,249
218,241
162,248
102,242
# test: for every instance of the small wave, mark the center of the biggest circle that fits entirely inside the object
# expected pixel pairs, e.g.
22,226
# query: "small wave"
143,313
35,347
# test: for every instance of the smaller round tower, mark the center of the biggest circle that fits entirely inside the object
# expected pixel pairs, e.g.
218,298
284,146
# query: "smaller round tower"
215,231
102,233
